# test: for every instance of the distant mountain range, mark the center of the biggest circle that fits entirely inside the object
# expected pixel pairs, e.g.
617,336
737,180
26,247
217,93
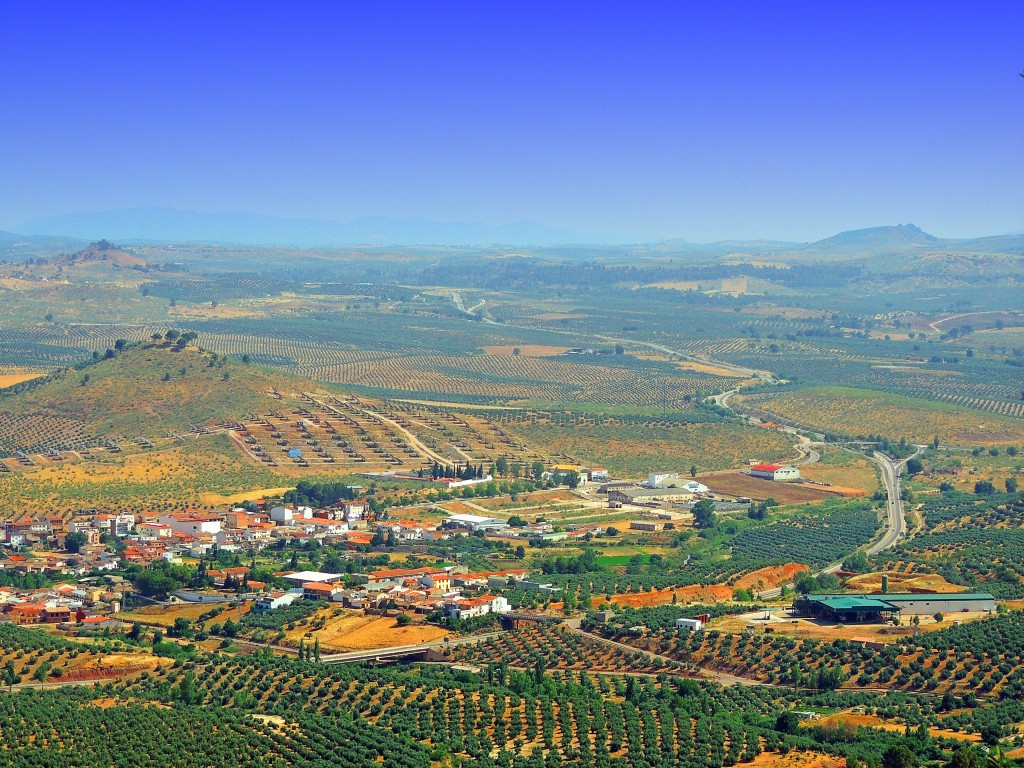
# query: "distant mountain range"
138,225
163,225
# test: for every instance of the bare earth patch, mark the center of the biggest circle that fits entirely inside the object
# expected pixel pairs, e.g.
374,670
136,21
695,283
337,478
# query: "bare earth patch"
771,577
901,582
738,484
215,499
358,631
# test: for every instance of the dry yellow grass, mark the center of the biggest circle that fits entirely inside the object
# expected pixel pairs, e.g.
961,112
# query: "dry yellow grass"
796,760
901,582
358,631
858,474
164,616
216,499
735,285
129,468
220,312
10,379
857,720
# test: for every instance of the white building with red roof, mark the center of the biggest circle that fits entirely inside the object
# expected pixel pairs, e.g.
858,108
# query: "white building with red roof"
776,472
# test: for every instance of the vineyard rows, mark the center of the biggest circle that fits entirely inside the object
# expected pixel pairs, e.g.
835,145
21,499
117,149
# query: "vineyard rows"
786,313
518,378
39,433
999,407
555,648
628,723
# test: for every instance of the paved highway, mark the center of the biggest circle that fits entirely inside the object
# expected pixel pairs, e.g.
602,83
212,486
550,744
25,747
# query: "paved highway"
897,520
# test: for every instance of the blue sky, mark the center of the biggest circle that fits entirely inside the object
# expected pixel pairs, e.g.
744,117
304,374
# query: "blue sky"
650,120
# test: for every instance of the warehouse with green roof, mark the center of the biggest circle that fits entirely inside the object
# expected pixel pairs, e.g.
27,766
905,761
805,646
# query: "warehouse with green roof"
885,607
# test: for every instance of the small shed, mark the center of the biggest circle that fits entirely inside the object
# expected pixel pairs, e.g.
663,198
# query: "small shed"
690,625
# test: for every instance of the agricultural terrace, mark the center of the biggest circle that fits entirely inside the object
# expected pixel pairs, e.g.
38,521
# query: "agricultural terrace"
43,727
204,472
555,647
981,658
859,412
32,656
187,392
504,716
145,391
522,378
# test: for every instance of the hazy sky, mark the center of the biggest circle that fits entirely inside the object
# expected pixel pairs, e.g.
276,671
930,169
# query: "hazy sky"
677,119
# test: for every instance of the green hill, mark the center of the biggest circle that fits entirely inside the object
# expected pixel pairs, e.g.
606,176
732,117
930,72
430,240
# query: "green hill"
144,390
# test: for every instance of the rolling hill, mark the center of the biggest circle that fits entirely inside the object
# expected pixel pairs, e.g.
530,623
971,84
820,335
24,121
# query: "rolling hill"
100,252
874,240
145,390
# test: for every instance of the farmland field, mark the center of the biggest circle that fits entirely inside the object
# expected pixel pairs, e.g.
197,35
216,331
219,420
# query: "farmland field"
632,448
10,379
858,412
738,484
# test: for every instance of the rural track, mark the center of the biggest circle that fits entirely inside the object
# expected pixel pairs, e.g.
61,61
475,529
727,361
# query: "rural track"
59,684
414,441
723,678
738,369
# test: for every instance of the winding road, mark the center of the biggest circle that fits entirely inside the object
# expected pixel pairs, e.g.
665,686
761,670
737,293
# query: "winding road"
890,470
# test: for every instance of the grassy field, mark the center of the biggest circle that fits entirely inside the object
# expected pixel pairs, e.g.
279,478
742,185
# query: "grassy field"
842,468
861,412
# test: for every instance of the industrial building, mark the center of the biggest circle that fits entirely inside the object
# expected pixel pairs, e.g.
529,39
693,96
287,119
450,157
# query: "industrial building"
776,472
648,495
848,609
926,604
306,577
885,607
